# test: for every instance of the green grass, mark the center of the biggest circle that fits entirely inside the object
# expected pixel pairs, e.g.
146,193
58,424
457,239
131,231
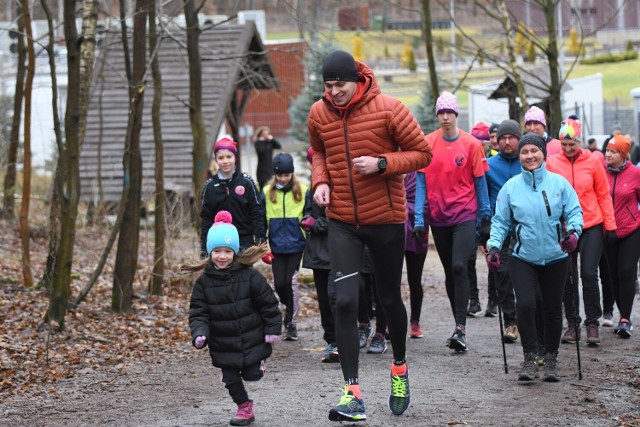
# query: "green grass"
618,78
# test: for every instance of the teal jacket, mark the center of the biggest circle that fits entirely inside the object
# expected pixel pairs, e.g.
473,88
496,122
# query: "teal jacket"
542,207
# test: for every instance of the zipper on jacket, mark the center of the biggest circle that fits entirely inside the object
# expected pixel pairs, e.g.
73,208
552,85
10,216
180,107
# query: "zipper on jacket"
559,232
351,184
386,181
613,189
631,213
518,241
546,203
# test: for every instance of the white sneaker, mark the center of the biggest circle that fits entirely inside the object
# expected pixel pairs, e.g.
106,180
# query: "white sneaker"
607,320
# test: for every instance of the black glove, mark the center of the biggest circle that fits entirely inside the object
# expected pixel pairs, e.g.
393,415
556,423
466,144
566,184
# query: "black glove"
204,255
484,231
610,237
418,233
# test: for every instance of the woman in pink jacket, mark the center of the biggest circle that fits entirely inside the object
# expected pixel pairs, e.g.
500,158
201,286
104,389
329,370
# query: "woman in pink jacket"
587,176
623,254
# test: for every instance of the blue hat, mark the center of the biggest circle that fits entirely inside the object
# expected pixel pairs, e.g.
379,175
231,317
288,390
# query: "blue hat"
282,163
223,233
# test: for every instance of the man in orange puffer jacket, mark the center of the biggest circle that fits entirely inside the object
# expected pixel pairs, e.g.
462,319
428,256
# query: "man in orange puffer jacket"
363,141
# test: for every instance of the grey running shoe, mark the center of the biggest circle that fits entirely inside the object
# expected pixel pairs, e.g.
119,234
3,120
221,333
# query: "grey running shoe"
529,370
458,341
551,374
475,309
378,344
330,354
364,333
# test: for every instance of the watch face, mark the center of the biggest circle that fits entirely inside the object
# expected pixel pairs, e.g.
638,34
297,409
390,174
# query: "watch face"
382,163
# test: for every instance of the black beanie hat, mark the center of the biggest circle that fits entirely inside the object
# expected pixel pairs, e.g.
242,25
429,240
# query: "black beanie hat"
282,163
339,66
493,128
509,127
535,139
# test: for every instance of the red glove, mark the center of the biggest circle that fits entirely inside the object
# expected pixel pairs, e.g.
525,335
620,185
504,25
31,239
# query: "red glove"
493,260
308,223
569,243
268,258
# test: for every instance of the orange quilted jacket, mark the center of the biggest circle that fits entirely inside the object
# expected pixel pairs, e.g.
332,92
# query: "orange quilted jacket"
379,126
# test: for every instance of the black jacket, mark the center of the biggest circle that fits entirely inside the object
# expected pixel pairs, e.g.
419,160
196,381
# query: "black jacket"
240,197
234,309
316,251
264,150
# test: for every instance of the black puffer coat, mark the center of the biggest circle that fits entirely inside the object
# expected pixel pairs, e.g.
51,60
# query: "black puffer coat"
316,251
234,308
240,197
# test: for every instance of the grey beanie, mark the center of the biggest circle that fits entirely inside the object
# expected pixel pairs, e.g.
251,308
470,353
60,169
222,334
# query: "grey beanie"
509,127
535,139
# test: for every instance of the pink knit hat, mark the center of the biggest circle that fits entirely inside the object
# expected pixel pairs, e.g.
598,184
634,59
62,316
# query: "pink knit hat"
534,114
481,131
447,101
226,144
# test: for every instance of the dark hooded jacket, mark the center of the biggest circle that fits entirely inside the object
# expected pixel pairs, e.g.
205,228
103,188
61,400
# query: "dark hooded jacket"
234,309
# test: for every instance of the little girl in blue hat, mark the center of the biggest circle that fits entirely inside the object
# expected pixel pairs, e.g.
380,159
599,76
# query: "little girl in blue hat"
234,312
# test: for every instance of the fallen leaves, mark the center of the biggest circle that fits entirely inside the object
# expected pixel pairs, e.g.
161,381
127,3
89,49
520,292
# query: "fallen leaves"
33,358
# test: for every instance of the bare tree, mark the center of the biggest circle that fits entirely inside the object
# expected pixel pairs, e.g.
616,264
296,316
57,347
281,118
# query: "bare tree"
80,55
155,287
198,129
27,276
428,38
54,210
8,205
127,253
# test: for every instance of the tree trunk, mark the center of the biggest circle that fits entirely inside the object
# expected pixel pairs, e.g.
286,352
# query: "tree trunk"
27,276
127,254
54,206
200,157
428,38
155,287
8,205
555,98
80,70
506,24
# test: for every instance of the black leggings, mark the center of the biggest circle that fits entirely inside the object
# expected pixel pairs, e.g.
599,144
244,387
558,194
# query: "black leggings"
285,280
321,278
415,264
455,245
589,249
232,379
550,279
623,265
346,245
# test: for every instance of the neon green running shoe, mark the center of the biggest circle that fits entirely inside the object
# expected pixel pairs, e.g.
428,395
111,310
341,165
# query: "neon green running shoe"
400,397
350,408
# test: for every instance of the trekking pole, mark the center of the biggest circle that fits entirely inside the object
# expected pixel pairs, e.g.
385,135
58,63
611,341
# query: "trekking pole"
576,301
576,309
504,351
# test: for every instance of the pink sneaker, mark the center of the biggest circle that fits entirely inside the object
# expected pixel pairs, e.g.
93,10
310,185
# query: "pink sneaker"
415,330
244,416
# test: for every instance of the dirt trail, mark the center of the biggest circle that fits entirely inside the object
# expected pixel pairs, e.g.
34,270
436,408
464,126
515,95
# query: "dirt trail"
447,388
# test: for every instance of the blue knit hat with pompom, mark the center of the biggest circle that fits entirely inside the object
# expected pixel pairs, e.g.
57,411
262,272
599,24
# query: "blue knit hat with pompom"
223,233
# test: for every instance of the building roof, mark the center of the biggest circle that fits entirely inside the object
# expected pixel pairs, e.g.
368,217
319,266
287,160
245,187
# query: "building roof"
233,58
536,85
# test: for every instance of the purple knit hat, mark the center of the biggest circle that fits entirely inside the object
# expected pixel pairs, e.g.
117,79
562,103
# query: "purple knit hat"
535,114
447,101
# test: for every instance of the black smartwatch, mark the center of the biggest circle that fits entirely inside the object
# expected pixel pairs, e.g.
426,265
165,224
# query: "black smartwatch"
382,164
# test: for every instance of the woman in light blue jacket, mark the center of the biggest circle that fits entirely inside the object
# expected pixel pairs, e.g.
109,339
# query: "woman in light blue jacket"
546,217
